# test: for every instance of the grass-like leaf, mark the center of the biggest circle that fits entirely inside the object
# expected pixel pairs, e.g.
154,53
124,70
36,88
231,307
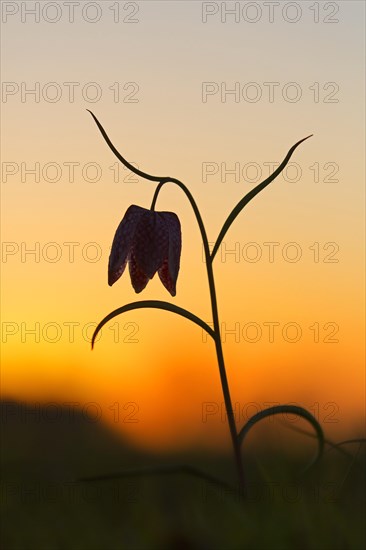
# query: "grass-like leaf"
120,157
359,440
161,470
157,304
244,201
294,409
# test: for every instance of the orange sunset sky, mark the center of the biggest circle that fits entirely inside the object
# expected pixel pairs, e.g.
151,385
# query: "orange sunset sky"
186,93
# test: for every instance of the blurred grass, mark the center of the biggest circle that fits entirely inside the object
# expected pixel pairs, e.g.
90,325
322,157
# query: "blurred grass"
43,507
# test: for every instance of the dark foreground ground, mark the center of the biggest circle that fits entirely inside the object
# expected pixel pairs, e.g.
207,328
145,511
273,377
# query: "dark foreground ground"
45,507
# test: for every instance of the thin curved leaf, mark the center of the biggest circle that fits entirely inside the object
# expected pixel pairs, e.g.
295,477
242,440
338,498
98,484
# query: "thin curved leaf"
120,157
294,409
244,201
157,304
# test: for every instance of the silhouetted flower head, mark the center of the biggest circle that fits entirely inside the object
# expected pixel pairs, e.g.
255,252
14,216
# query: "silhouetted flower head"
150,242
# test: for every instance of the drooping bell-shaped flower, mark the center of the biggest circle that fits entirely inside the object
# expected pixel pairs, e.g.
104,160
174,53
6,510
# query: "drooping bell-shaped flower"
150,242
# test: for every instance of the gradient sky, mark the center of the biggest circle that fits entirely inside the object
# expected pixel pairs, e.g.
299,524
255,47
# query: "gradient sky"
165,377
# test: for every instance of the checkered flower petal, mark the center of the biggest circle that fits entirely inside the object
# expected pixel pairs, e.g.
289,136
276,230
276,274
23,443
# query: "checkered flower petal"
169,270
150,242
122,243
139,279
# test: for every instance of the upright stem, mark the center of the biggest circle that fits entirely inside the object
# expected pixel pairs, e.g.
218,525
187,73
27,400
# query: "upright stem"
215,318
223,376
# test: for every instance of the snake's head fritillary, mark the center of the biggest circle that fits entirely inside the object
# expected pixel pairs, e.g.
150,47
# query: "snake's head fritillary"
150,242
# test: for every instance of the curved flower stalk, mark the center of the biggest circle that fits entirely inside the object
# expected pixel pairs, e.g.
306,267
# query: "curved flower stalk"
150,242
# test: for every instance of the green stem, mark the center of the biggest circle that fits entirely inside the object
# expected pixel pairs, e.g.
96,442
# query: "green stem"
223,376
216,323
157,191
